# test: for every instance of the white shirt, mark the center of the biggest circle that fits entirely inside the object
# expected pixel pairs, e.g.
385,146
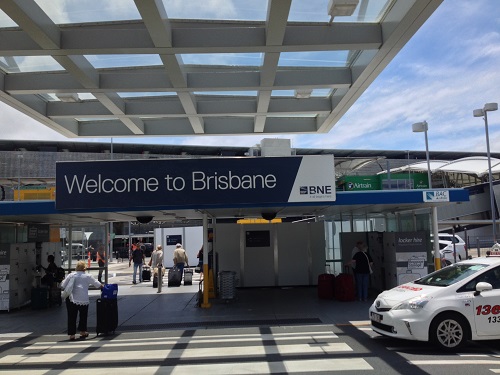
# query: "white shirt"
156,258
80,293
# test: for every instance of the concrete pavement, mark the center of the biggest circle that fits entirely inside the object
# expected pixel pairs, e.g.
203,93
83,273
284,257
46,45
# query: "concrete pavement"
141,306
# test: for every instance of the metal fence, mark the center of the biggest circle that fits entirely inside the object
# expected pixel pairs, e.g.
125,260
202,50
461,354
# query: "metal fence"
478,245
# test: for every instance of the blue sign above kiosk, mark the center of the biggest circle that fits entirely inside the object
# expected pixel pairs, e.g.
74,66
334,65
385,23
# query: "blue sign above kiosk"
195,182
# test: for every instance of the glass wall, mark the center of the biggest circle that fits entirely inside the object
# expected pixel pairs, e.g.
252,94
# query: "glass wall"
392,222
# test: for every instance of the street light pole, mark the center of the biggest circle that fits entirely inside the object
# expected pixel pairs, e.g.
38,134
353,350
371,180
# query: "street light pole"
420,127
19,157
483,112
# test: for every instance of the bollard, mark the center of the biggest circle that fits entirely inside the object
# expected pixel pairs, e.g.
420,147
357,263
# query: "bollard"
160,278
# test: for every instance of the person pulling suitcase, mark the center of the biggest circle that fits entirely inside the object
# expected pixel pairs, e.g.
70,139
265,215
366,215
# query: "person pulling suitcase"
77,284
156,262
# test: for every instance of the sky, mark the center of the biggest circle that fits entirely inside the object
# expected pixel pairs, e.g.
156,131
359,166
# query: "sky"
450,67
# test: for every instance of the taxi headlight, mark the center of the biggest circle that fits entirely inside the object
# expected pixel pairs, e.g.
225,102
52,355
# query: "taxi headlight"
413,303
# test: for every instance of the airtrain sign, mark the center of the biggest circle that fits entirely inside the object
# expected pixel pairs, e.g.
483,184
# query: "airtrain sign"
195,182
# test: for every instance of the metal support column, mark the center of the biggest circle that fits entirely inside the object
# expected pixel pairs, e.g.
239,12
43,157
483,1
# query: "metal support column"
206,272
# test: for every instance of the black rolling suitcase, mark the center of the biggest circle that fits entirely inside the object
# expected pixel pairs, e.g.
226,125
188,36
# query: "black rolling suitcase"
174,276
107,316
55,296
39,298
155,280
146,274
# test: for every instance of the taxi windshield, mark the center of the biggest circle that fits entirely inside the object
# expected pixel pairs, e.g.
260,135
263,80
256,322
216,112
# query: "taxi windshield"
450,275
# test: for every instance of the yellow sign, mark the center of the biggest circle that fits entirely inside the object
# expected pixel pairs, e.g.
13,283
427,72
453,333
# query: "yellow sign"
258,221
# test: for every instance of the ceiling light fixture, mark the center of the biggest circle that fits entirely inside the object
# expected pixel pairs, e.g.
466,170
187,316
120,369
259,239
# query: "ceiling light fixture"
341,8
303,93
68,98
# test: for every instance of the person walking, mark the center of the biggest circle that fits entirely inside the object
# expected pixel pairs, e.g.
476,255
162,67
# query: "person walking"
50,272
362,264
156,261
180,257
77,304
200,262
137,257
101,260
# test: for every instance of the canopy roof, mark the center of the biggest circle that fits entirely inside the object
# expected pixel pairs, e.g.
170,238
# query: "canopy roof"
120,68
475,165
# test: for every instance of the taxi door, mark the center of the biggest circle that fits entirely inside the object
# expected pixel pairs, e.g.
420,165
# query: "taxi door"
487,306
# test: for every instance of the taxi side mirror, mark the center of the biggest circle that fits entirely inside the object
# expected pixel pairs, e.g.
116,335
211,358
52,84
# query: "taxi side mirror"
482,287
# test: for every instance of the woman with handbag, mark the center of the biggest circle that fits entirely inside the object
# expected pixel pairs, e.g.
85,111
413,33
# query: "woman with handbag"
76,288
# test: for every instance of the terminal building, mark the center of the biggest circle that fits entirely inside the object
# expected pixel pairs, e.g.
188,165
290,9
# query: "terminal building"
156,70
295,242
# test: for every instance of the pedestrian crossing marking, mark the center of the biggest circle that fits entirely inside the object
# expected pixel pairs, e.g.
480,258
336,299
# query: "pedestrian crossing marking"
326,366
281,337
460,361
286,350
157,353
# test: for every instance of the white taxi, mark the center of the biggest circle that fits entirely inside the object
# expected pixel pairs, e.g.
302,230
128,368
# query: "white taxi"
448,307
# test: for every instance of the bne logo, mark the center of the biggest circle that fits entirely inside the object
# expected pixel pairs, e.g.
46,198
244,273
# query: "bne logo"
325,189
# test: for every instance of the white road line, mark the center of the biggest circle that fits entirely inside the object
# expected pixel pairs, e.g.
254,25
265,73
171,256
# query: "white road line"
188,353
432,362
365,329
318,366
319,337
15,335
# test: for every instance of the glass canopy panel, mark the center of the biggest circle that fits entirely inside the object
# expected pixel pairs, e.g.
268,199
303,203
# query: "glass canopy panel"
227,59
227,93
6,21
321,93
292,115
71,11
27,64
237,10
94,119
52,97
330,59
367,11
281,93
318,93
49,97
145,94
86,96
123,61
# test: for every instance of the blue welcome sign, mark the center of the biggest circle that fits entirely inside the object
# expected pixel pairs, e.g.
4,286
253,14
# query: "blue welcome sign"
194,182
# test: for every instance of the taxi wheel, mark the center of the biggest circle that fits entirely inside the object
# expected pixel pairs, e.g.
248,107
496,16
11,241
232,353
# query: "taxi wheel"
449,331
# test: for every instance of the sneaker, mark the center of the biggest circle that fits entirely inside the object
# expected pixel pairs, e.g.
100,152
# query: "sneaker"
133,282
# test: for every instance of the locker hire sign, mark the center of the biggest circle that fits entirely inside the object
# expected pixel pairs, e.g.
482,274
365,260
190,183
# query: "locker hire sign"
195,182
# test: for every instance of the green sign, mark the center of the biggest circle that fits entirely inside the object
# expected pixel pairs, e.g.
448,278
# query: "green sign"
358,183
